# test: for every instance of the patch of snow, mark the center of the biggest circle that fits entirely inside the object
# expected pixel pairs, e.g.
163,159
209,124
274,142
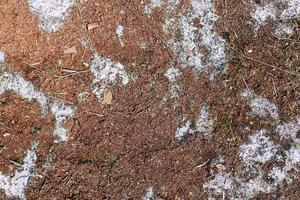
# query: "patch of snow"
260,149
254,155
260,106
183,130
61,113
152,5
263,13
14,186
226,186
222,182
106,72
143,45
23,88
2,57
272,11
17,84
196,37
290,169
51,13
203,124
289,130
172,74
150,195
120,34
283,30
293,10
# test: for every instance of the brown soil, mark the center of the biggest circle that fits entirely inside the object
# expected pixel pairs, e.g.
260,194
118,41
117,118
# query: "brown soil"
117,151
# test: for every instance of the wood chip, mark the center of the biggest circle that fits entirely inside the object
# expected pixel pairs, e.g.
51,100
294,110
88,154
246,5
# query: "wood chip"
107,98
70,50
92,26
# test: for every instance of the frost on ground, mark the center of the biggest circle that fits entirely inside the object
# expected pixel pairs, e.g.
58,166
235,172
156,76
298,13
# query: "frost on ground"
273,11
61,113
14,186
260,149
120,34
106,72
260,107
24,88
195,38
2,57
51,13
249,181
152,5
17,84
172,74
150,195
203,125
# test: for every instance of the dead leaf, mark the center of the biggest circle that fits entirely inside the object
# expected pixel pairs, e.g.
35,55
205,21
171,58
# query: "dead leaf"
107,98
93,25
70,50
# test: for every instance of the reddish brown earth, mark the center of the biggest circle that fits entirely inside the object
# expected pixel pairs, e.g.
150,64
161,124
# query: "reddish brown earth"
117,151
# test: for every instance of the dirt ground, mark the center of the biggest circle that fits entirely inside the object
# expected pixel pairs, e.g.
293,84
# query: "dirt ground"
120,149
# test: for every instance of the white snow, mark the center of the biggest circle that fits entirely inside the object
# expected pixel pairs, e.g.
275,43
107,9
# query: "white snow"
106,72
153,4
260,149
272,11
2,57
61,113
226,186
150,195
254,155
289,130
51,13
283,30
14,186
196,37
24,88
183,130
172,74
263,13
120,34
203,125
17,84
260,106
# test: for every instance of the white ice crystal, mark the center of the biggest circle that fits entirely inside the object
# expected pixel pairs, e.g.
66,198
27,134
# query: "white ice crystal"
51,13
24,88
260,106
260,149
272,11
203,125
152,5
61,113
120,34
106,72
14,186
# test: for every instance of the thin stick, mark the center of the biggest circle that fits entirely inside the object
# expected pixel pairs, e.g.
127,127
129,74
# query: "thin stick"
265,64
246,85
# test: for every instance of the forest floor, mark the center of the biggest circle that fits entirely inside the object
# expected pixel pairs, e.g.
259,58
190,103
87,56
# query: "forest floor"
153,99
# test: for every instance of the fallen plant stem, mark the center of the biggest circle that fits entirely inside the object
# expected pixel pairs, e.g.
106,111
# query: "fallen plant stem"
265,64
